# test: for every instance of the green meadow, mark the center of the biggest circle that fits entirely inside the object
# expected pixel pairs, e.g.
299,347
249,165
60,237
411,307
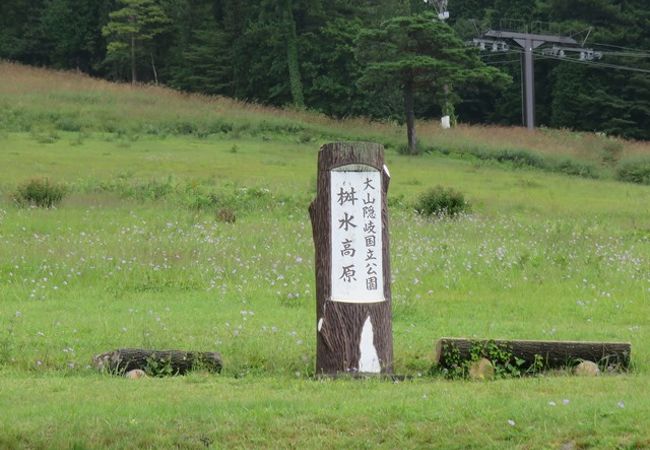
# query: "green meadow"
143,252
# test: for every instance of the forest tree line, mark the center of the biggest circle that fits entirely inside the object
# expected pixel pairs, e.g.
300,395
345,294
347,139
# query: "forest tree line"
307,53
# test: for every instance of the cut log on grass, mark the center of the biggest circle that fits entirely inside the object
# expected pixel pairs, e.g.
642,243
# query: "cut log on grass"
157,362
541,354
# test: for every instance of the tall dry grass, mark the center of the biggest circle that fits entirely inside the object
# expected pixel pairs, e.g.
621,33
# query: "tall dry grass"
29,94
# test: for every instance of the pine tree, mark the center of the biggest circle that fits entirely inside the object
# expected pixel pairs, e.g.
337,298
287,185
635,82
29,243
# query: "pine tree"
73,31
131,31
419,52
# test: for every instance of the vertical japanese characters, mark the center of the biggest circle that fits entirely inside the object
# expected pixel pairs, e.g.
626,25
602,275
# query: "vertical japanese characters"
357,265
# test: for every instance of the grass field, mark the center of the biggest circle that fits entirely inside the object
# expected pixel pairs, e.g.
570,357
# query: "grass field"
136,255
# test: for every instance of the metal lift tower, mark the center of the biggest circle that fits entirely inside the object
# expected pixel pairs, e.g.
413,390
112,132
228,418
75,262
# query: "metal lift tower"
496,40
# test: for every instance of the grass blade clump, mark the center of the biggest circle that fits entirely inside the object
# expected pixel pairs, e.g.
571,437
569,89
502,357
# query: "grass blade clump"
441,201
39,192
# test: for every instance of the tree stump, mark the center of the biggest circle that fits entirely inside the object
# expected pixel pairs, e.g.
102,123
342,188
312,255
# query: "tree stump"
158,362
350,226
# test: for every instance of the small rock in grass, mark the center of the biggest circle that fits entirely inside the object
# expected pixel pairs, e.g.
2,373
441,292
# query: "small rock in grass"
481,370
587,369
568,446
135,374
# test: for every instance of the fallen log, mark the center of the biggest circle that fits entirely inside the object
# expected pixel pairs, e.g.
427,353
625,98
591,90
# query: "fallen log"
157,362
451,352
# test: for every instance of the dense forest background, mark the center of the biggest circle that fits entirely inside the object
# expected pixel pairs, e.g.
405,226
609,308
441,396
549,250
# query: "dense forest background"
305,53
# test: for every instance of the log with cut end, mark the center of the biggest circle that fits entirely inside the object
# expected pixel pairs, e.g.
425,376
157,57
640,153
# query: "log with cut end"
170,362
551,354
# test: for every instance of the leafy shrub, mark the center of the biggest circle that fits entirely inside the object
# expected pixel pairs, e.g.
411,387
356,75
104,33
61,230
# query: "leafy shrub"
217,126
441,201
184,127
39,192
634,170
152,189
44,134
572,167
305,137
505,364
198,198
67,123
520,158
404,149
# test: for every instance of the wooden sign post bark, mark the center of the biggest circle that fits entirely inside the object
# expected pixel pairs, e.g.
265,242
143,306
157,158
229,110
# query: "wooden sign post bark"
350,225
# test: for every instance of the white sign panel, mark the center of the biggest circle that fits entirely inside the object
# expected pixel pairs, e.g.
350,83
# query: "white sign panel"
355,205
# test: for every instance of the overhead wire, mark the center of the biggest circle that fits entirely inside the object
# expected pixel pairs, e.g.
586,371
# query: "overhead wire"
647,52
595,63
627,54
502,62
490,58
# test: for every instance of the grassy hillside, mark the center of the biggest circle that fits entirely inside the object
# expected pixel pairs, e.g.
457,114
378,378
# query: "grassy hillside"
45,103
139,254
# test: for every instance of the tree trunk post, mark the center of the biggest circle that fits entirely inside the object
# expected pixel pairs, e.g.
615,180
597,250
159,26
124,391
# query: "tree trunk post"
295,81
350,226
153,68
134,78
410,117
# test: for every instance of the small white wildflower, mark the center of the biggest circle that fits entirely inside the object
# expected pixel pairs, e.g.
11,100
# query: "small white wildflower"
621,404
552,403
511,422
566,401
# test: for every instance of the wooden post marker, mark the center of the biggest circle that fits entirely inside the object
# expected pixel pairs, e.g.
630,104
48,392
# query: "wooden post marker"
350,225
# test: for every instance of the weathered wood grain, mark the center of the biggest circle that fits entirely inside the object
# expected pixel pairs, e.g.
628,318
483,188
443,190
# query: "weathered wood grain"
339,325
554,354
178,361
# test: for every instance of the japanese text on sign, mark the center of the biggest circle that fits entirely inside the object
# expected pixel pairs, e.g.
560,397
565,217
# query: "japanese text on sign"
357,266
